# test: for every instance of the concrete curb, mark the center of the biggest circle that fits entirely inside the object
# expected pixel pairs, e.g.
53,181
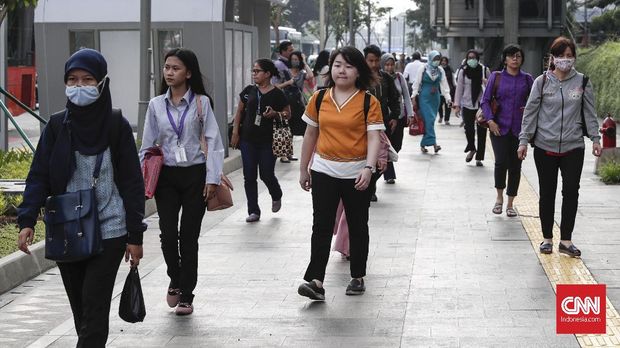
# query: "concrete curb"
18,267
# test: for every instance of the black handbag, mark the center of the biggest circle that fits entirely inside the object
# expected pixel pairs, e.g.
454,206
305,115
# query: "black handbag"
72,230
131,308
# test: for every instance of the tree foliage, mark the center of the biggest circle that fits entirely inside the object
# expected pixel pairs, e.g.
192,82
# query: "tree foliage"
302,12
608,23
10,5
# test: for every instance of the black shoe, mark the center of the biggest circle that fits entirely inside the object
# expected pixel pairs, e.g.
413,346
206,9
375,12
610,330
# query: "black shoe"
390,181
570,250
546,248
470,156
291,158
312,291
285,160
356,287
373,198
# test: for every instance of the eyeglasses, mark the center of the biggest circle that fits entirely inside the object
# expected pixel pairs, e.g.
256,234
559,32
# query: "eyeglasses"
256,71
515,56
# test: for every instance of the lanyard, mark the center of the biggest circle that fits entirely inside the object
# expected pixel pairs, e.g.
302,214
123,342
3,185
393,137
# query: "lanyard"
258,96
179,130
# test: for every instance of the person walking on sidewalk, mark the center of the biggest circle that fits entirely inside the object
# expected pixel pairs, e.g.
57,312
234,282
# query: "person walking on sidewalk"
72,144
430,83
444,110
189,177
406,110
259,105
471,82
300,73
285,81
510,89
321,70
347,144
559,113
384,89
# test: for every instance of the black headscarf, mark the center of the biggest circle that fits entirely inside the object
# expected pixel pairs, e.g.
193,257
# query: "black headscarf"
85,128
475,75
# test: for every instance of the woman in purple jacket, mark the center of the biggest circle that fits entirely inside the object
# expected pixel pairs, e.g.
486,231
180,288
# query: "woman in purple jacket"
513,89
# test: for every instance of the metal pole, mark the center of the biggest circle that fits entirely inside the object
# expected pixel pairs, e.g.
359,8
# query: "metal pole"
368,22
586,39
145,64
17,127
322,23
4,125
404,33
390,31
22,105
351,30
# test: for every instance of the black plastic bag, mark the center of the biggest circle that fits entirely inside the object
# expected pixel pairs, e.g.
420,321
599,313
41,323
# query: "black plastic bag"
131,308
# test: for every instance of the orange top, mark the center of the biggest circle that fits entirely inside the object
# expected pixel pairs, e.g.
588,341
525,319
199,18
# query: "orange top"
342,144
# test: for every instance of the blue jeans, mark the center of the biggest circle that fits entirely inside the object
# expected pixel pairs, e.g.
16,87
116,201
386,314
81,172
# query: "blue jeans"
258,159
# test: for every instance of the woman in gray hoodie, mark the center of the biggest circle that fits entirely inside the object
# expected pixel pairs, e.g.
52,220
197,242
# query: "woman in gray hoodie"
559,113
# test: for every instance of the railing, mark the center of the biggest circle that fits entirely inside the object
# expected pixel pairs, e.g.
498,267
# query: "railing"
12,118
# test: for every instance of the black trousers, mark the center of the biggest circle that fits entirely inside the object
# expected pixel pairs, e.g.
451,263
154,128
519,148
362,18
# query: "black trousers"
326,194
181,187
89,285
471,129
396,138
570,167
506,162
444,110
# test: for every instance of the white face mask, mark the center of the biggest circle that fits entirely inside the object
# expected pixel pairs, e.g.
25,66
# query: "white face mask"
564,64
83,95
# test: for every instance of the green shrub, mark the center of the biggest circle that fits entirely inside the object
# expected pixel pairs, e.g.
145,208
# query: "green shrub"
15,164
601,65
610,172
9,234
3,204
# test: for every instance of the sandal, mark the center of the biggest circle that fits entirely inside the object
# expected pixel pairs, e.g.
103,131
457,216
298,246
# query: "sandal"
497,208
569,250
423,149
511,212
546,248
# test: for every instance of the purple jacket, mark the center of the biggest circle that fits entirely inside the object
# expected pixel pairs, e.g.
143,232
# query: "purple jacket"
512,94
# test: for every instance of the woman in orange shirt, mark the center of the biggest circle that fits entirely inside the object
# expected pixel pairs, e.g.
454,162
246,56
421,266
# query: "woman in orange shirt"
346,136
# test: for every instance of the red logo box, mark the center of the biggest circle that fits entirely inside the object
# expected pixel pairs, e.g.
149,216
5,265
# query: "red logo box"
581,309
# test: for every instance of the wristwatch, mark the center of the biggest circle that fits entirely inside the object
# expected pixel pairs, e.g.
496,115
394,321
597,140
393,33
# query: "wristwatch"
372,169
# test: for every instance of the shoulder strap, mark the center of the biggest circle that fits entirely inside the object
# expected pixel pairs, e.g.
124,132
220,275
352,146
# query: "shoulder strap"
498,77
97,168
318,101
584,83
366,106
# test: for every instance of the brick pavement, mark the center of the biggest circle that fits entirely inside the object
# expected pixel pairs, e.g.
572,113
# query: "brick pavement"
442,271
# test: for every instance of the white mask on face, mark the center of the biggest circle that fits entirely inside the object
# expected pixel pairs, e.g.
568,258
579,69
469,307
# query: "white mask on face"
564,64
83,95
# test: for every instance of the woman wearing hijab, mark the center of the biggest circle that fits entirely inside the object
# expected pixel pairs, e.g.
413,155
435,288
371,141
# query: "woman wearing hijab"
432,83
387,64
470,82
68,150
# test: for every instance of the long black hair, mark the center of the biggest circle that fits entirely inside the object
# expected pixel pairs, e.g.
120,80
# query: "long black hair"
509,50
321,60
189,59
354,57
268,66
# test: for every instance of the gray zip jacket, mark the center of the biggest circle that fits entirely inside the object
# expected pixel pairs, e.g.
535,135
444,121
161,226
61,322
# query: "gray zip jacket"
556,123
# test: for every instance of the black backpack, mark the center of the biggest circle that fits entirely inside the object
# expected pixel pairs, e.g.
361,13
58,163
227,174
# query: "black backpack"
321,95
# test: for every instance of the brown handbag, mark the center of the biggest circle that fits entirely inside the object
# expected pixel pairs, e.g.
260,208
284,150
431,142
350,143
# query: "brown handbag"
222,198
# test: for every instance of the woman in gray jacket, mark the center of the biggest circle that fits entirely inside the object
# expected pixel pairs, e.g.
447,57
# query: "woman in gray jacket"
553,121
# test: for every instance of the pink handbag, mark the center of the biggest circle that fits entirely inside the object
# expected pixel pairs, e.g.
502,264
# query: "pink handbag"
151,167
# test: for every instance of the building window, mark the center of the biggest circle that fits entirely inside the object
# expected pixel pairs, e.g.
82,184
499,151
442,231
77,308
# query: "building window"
495,8
81,39
169,39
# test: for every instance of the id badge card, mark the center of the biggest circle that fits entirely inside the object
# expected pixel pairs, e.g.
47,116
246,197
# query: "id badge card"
179,154
257,119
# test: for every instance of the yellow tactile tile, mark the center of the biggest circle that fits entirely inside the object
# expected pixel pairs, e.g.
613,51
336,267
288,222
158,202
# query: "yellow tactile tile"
561,269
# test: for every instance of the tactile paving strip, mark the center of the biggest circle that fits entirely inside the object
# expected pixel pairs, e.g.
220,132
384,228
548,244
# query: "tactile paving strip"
561,269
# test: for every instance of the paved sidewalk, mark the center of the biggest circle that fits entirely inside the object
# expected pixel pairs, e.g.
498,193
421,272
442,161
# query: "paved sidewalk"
442,271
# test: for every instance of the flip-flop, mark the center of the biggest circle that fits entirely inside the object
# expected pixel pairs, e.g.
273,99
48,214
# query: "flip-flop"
511,212
497,208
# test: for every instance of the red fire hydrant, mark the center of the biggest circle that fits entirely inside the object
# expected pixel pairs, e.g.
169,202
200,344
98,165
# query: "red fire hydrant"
608,130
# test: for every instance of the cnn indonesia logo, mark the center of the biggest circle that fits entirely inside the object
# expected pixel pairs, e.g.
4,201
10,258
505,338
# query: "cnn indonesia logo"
581,309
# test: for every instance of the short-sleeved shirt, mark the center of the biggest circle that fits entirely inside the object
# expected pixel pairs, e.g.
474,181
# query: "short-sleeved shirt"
343,143
250,96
